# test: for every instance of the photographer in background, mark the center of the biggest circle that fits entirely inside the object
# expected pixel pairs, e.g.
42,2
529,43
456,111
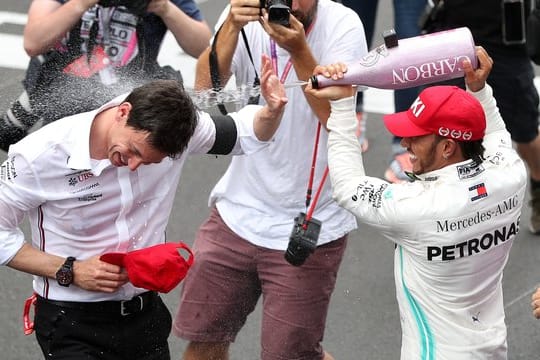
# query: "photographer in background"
85,52
240,248
499,27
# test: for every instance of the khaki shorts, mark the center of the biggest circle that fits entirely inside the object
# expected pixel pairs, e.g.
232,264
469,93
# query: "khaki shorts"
229,275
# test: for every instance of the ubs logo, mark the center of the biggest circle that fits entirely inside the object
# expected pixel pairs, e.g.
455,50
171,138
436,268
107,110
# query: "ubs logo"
74,179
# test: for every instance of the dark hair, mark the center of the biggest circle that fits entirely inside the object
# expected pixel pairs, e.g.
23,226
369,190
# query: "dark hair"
164,110
472,150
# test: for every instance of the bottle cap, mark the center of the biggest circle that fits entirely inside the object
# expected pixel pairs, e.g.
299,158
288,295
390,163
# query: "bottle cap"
390,38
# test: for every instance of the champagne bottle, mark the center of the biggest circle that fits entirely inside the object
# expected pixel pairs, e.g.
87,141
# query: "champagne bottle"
410,62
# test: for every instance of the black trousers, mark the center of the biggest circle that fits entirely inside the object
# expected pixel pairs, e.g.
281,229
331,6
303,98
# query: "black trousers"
109,330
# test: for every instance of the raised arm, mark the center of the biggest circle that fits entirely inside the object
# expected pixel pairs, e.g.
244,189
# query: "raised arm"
49,21
192,35
240,13
267,119
476,84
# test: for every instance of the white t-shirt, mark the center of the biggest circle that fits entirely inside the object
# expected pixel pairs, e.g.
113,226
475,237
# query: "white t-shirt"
259,195
82,207
453,227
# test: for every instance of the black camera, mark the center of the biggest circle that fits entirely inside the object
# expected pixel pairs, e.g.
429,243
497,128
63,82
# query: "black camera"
303,239
137,7
278,11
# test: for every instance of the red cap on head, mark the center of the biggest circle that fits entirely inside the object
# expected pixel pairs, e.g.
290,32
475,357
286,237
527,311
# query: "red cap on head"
447,111
158,268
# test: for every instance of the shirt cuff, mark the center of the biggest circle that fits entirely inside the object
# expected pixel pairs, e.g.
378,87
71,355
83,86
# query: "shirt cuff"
343,113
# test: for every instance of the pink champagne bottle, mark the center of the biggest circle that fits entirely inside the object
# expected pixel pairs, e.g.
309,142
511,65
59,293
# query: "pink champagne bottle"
409,62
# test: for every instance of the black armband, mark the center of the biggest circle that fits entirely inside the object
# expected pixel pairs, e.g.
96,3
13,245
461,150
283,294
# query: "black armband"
226,135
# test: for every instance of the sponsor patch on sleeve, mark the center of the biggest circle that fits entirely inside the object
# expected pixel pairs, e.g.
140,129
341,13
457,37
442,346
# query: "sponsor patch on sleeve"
7,170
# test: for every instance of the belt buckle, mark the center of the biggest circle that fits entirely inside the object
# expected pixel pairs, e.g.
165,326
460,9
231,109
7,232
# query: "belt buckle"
126,312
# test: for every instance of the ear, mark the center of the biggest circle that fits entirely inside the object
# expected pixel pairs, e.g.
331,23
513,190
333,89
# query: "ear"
450,147
123,111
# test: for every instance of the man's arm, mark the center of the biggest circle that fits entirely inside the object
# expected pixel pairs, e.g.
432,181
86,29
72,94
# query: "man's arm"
293,39
240,13
476,84
48,21
90,274
191,34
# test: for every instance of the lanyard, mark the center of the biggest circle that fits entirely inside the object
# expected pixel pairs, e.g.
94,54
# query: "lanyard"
273,55
310,205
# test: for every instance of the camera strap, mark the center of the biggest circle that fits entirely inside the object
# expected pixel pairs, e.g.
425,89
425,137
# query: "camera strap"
309,204
214,71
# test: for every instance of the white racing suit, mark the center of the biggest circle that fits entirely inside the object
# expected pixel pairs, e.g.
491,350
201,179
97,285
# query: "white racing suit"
453,229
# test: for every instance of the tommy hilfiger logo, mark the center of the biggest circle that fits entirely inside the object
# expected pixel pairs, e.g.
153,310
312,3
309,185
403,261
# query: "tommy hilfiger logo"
478,191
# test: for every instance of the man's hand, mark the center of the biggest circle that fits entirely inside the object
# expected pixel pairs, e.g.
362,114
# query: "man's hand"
244,11
272,89
476,79
334,71
292,38
96,275
268,118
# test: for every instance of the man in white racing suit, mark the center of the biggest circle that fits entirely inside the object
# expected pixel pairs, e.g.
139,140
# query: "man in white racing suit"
453,226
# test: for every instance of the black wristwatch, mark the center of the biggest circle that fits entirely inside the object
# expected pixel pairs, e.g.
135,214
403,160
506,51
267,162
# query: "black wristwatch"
64,275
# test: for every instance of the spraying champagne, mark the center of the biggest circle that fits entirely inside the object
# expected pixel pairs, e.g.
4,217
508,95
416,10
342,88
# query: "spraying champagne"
409,62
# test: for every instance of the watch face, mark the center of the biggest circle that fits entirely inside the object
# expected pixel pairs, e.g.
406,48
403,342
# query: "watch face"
64,277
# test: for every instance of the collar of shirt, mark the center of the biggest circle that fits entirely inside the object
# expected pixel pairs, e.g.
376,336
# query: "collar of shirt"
80,157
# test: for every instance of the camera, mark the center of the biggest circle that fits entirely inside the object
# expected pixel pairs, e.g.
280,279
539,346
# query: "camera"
278,11
303,239
137,7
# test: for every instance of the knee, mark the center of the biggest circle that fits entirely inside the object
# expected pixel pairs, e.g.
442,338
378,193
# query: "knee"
207,351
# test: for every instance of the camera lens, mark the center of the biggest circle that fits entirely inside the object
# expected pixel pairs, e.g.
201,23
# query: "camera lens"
295,255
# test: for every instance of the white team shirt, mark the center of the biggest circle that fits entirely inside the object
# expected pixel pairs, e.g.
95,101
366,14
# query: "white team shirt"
453,227
259,195
81,207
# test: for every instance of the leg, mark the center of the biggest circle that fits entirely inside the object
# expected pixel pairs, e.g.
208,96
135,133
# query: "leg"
219,292
206,351
295,302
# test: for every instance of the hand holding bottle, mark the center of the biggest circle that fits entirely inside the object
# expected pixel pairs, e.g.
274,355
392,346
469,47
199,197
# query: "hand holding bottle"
334,72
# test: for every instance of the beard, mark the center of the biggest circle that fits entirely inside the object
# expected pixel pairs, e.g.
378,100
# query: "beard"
306,17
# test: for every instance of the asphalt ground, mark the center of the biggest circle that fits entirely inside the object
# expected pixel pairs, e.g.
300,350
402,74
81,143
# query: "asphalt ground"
363,320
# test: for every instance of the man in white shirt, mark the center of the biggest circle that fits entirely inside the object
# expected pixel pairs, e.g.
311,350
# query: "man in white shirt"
453,226
104,181
256,202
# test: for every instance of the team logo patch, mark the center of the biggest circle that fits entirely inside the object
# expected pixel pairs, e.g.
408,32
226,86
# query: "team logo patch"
469,170
478,191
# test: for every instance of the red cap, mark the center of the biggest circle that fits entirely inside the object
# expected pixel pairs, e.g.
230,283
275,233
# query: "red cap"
158,268
447,111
